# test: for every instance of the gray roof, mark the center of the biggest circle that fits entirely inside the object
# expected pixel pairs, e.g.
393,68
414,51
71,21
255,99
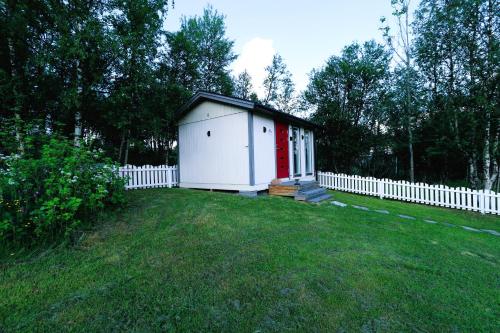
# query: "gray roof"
202,96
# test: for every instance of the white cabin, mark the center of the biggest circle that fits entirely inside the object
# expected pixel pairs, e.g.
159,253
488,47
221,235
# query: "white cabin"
227,143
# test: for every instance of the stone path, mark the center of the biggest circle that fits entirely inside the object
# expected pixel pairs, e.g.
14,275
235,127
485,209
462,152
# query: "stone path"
493,232
471,229
408,217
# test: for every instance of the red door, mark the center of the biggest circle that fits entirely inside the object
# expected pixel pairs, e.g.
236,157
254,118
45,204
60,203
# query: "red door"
282,150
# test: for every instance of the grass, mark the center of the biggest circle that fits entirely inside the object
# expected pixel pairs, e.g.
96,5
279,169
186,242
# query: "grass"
185,260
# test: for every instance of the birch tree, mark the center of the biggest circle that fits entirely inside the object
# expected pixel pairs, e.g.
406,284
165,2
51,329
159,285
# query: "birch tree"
457,48
243,87
401,44
279,89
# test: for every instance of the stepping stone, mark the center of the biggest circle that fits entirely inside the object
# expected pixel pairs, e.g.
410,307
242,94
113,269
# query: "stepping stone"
406,217
382,211
338,203
286,291
236,304
430,221
493,232
448,224
360,207
471,229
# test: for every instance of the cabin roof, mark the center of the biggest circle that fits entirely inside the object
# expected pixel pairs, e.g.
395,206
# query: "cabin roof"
202,96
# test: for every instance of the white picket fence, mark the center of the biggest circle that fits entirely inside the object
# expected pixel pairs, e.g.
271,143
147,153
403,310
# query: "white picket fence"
438,195
148,176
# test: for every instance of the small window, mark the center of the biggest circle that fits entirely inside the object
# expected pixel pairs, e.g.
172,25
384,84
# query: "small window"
208,133
264,129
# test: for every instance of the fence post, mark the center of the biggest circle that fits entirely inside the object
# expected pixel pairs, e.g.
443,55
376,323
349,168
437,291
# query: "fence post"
380,187
481,197
169,177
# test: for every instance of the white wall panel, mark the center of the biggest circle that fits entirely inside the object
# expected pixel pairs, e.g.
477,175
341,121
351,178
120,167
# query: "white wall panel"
209,110
221,158
264,149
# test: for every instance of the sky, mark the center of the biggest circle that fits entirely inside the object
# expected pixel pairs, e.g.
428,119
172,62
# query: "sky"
304,33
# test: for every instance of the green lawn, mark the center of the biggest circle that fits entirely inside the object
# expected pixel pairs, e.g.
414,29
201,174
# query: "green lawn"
184,260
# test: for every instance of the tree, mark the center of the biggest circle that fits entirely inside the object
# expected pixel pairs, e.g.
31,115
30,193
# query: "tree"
81,62
25,40
54,63
279,86
200,53
243,85
404,116
348,97
401,46
457,50
137,27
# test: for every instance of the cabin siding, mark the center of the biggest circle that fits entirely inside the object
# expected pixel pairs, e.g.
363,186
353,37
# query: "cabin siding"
264,149
220,160
209,110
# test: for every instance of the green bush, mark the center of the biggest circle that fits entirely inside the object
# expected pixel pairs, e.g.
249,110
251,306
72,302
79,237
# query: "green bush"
49,194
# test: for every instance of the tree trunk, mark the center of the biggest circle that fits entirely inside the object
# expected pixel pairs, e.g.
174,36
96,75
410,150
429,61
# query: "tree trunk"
125,162
486,154
498,185
78,115
78,128
490,146
13,73
473,177
410,149
122,143
396,171
19,137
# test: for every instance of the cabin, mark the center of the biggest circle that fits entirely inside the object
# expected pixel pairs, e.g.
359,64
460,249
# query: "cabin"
228,143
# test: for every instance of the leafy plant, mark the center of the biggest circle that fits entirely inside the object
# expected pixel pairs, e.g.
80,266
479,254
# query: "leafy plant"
48,194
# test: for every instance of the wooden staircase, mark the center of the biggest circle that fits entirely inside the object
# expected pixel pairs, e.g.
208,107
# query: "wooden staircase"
309,191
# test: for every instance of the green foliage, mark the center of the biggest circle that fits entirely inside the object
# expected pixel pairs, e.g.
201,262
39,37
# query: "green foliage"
200,53
243,87
279,86
434,115
349,96
457,48
49,192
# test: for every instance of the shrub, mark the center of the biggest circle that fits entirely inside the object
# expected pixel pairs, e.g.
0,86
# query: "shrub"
48,194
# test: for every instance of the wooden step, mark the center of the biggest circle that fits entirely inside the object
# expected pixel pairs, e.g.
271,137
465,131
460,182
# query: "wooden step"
283,190
291,188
